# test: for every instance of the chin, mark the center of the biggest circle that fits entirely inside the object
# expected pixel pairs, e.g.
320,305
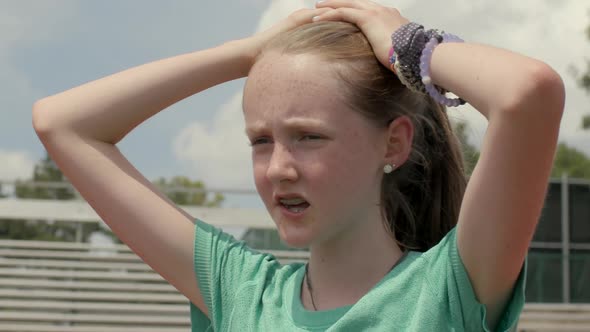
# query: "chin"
294,237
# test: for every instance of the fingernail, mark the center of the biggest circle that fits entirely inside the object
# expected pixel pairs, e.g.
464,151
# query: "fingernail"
320,1
315,18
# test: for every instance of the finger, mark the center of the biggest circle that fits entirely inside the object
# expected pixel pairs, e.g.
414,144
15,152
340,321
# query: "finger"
305,15
350,15
356,4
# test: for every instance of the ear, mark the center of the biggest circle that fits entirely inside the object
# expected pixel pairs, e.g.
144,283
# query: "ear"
400,135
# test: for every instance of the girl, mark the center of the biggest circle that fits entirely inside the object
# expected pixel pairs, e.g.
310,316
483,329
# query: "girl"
353,157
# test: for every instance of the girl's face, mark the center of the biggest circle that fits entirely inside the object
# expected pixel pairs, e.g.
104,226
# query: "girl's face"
318,165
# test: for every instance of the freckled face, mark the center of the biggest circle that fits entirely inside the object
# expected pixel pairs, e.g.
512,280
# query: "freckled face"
306,141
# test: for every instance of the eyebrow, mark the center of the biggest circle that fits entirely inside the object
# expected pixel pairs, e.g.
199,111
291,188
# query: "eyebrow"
293,123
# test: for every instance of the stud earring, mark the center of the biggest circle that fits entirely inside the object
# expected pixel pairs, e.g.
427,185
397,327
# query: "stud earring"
388,168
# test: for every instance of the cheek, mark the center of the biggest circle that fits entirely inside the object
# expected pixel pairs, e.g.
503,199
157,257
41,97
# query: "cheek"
348,170
340,171
258,169
353,157
263,186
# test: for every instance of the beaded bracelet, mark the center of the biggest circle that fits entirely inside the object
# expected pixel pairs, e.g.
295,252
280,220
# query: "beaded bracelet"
404,56
425,69
407,44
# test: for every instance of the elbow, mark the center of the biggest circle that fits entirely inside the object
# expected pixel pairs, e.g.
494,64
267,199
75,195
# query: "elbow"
45,120
40,118
540,90
549,89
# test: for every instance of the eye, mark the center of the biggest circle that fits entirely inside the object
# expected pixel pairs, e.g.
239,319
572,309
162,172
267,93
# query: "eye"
259,141
309,137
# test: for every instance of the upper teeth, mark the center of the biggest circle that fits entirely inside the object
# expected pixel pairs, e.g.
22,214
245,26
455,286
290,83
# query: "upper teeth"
292,201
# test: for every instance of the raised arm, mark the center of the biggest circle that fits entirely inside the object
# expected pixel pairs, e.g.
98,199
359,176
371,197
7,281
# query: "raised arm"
523,100
80,127
109,108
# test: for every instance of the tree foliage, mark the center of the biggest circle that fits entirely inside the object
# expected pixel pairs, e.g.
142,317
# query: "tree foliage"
184,191
584,82
572,162
470,152
48,230
46,171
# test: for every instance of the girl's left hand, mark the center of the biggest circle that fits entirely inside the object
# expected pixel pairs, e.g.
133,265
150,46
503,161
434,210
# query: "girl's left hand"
377,22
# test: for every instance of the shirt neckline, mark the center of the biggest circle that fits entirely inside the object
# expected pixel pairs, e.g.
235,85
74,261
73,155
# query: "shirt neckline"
325,318
312,319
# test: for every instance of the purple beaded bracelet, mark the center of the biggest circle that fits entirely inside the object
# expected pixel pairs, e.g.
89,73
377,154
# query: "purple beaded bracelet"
425,69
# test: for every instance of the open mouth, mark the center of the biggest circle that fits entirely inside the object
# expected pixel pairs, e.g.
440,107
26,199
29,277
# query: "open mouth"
294,205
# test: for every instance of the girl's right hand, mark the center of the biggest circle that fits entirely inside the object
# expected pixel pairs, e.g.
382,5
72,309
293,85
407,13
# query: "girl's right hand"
255,43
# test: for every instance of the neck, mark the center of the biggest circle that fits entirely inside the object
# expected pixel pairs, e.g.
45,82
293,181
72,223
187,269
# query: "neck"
345,268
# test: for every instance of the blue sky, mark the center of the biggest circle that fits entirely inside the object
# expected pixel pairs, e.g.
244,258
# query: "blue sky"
53,45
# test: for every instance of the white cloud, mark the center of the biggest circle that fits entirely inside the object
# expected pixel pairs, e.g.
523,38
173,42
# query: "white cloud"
219,152
550,31
15,165
279,10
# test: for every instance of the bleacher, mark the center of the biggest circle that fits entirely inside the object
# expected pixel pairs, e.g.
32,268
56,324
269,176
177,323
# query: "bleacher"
78,287
81,287
555,317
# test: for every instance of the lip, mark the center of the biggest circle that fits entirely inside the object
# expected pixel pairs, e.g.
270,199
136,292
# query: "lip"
277,197
286,212
292,215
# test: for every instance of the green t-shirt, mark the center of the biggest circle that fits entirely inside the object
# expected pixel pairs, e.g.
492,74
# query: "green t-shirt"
246,290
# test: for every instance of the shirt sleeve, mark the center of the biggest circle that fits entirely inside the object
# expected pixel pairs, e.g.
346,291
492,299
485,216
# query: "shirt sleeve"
458,293
223,265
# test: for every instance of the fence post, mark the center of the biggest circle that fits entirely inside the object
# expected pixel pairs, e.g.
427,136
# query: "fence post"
565,238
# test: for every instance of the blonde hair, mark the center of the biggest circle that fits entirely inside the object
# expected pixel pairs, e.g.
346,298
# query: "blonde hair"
421,200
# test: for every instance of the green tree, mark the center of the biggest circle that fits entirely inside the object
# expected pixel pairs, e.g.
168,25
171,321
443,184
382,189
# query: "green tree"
470,152
570,161
584,82
179,189
42,230
184,191
45,171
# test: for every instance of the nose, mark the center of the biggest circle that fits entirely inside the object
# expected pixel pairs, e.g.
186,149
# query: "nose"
281,166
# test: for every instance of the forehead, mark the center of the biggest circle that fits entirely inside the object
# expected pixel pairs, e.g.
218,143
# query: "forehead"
282,85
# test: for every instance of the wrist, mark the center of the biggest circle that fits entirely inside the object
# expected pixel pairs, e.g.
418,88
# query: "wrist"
243,53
